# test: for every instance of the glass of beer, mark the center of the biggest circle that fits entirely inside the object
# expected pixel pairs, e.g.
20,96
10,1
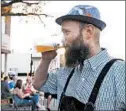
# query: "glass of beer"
46,46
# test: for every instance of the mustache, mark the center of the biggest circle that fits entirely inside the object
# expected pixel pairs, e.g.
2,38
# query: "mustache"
66,46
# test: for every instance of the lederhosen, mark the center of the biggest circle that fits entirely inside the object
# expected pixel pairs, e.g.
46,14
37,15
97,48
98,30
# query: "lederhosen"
68,103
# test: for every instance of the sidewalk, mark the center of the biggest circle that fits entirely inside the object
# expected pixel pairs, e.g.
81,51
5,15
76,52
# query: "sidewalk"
53,107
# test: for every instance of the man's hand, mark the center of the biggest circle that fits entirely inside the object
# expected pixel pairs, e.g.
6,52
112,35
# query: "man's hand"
49,55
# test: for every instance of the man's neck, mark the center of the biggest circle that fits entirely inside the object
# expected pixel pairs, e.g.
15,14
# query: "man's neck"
94,51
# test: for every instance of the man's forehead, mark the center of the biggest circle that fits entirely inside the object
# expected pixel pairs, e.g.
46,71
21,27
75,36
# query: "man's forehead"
69,23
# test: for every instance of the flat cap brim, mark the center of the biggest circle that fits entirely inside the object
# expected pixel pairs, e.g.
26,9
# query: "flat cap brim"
98,23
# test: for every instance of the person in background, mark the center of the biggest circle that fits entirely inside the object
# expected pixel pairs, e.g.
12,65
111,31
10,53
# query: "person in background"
12,82
85,59
5,91
29,89
2,76
48,102
21,98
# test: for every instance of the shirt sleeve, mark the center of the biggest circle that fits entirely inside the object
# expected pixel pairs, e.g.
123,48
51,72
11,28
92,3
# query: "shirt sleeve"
120,80
51,84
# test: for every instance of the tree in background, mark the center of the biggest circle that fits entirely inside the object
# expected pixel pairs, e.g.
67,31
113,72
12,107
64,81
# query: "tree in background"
30,9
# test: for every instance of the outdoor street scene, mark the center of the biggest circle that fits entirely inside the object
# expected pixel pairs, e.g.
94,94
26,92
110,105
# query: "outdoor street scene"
62,55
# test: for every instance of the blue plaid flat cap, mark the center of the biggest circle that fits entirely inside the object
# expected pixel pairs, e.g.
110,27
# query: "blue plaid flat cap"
84,13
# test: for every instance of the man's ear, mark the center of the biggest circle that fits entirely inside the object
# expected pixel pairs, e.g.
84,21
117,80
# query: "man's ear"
89,31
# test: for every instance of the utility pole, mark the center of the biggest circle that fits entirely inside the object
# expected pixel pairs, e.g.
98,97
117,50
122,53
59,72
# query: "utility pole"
31,63
7,31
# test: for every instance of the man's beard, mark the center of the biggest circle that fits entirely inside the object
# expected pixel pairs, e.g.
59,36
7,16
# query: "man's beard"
76,53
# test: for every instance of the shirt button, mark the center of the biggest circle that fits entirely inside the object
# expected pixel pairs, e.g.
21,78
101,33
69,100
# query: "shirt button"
83,79
94,68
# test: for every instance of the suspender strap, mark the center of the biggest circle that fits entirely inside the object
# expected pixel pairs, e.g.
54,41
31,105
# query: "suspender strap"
99,80
71,74
65,87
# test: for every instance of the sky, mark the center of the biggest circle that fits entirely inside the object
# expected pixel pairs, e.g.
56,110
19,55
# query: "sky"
25,36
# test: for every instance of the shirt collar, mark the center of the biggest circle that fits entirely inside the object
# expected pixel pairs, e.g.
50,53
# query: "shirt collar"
95,61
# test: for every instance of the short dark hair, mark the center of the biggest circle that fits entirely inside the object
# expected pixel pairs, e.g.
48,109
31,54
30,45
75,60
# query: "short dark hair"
18,84
5,78
10,77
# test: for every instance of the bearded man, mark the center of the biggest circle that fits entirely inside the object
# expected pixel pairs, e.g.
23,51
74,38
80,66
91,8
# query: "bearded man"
75,84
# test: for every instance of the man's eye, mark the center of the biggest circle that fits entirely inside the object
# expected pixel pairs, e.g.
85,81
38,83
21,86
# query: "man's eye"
66,32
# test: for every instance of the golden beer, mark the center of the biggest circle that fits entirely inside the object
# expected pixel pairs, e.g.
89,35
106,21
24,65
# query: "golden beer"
45,48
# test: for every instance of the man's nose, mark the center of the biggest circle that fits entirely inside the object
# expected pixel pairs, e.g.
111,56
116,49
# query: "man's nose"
65,42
